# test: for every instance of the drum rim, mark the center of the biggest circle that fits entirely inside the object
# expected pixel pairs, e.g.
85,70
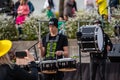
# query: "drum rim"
49,61
66,59
100,43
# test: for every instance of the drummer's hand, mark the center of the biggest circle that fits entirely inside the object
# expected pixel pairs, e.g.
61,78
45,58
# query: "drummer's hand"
40,45
108,48
58,53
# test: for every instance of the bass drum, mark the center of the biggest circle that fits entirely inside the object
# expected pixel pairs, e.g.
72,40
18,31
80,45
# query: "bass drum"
91,39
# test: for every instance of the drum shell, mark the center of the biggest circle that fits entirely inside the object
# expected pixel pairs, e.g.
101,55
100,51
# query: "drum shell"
68,64
91,39
49,66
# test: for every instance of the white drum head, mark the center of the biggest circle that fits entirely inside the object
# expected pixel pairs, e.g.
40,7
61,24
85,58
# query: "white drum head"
49,61
65,59
100,38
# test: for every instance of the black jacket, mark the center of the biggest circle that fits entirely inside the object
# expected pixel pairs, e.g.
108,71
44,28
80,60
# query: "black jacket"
16,73
103,54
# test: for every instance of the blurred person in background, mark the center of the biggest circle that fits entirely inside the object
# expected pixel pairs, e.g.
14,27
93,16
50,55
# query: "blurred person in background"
113,3
61,26
89,5
117,31
22,14
49,13
7,7
74,7
68,7
51,4
31,7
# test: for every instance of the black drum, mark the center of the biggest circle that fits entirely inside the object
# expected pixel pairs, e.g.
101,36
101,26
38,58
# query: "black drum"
49,66
91,39
66,64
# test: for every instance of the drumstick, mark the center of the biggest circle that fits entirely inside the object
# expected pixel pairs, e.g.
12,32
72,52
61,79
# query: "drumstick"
39,39
63,54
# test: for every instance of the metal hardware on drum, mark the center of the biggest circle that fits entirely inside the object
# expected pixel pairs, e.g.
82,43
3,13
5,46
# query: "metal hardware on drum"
91,39
66,64
49,67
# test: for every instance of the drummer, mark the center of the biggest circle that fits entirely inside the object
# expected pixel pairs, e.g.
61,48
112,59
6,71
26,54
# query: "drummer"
54,46
98,60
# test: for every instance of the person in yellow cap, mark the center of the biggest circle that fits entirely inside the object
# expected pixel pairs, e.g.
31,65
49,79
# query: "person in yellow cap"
11,71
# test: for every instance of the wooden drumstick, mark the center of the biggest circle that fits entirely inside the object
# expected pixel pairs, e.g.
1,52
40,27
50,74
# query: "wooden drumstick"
39,39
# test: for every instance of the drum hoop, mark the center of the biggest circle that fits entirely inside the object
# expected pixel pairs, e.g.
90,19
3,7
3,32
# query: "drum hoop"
99,43
49,61
65,59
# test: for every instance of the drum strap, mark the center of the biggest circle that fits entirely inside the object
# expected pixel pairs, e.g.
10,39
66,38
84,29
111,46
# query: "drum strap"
51,46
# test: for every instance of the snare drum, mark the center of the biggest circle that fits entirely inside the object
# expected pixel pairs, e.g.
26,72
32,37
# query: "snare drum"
49,66
66,64
91,39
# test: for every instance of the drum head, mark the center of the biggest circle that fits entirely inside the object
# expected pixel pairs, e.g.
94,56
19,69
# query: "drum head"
100,38
49,72
49,61
65,59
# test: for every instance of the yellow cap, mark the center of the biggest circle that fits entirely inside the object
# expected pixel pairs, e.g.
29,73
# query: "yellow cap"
5,46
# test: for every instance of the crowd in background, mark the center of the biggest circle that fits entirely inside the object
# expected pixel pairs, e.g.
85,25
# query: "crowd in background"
22,9
70,6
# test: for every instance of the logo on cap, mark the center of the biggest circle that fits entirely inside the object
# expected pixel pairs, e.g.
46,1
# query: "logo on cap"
51,23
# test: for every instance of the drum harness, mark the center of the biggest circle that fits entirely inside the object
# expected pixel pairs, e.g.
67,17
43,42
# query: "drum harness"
52,45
